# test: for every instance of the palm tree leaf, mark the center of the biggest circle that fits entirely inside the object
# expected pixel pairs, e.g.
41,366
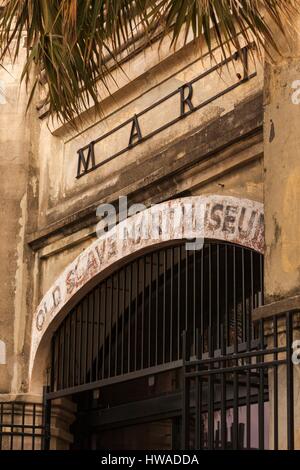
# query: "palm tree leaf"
73,45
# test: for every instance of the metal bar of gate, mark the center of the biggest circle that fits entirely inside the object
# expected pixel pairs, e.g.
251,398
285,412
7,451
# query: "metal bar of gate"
46,420
185,440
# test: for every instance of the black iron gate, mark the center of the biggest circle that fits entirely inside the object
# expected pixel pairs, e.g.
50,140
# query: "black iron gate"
133,321
130,326
183,320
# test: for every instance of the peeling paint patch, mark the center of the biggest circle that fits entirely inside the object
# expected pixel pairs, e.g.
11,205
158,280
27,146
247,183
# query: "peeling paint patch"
272,132
2,353
277,232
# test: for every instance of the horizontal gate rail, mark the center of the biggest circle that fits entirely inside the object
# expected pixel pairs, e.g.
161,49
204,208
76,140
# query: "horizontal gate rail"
113,380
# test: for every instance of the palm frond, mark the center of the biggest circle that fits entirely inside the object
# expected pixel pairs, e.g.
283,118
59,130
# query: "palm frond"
72,45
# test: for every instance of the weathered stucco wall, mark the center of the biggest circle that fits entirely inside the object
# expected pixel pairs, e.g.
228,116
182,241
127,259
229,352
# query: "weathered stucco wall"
282,173
16,178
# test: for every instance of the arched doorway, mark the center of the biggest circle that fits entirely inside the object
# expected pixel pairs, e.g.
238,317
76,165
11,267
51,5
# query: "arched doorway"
119,352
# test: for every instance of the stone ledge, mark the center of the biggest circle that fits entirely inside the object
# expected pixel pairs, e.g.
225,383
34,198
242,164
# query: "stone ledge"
24,398
291,304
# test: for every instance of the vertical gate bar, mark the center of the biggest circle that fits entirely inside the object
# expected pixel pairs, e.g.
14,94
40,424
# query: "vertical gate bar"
164,308
98,336
72,358
261,402
261,261
202,299
69,351
150,308
33,429
63,355
250,307
52,367
227,325
194,306
223,393
252,291
171,302
76,340
235,375
111,312
12,426
123,320
77,368
275,375
136,313
93,330
117,322
290,382
218,298
235,426
244,320
83,342
143,312
156,306
104,287
248,324
58,358
210,290
60,364
235,317
210,394
248,406
80,343
129,320
198,397
23,426
46,437
86,338
74,346
186,323
178,301
185,396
